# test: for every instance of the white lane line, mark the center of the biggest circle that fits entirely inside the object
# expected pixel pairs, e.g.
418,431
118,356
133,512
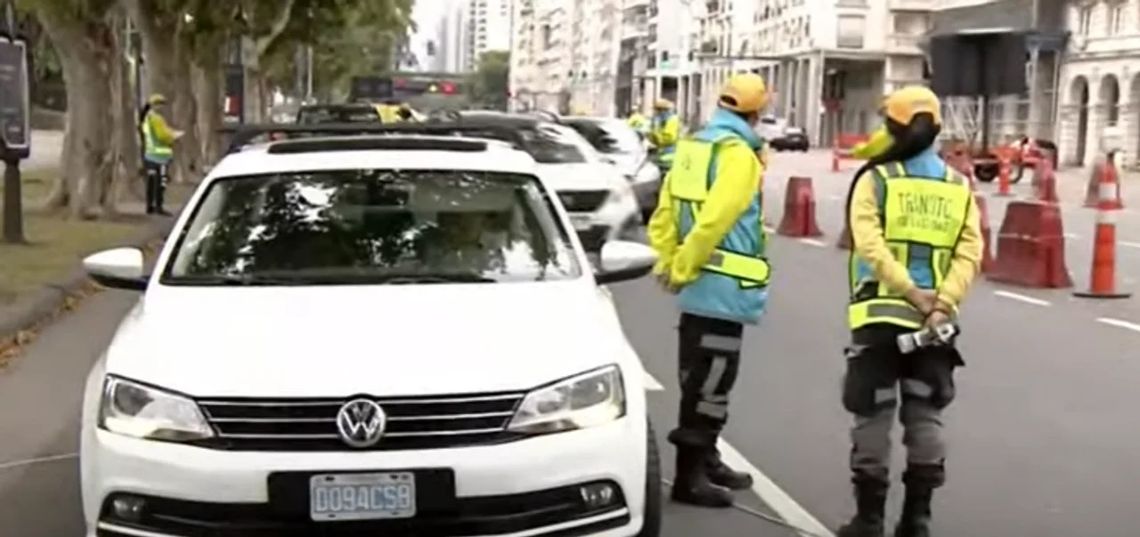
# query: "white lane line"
835,197
1022,298
36,460
1129,244
814,242
772,495
1072,236
768,491
651,384
769,229
1119,324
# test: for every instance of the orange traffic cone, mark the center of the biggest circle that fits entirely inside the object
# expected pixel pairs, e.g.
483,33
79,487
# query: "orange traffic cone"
1102,277
1003,176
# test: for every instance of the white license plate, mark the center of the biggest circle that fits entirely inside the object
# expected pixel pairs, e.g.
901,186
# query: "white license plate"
362,496
581,222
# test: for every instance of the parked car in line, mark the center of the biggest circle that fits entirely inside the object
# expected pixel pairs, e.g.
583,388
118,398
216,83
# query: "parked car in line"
316,114
622,145
601,201
377,334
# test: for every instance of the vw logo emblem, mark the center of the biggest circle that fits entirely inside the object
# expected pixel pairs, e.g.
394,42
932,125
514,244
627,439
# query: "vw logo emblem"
361,423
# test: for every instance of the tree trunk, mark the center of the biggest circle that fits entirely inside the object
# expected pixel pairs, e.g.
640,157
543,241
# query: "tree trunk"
83,50
209,93
188,150
126,168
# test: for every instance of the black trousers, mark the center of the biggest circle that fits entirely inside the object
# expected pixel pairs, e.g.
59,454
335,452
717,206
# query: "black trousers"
877,375
709,361
156,176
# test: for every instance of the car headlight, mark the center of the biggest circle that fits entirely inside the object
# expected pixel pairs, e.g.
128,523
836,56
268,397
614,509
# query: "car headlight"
141,411
586,400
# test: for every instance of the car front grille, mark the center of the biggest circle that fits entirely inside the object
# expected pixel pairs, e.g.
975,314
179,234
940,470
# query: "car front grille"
579,201
428,422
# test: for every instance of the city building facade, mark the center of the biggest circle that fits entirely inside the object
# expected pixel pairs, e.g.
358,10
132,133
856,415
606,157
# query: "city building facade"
1100,80
541,55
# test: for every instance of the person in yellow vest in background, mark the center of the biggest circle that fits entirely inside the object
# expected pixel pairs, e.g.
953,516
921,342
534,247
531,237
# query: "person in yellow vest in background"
389,112
664,132
708,233
916,249
158,151
638,122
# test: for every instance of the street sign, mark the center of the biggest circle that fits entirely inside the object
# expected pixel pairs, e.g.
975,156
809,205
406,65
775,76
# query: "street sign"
14,105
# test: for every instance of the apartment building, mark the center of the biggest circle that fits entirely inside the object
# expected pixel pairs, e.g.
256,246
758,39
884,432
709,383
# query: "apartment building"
488,28
595,48
671,71
1100,80
542,65
827,62
633,56
453,37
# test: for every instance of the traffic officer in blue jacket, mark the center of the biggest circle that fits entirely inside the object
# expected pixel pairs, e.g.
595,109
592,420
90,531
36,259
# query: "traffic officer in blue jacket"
709,237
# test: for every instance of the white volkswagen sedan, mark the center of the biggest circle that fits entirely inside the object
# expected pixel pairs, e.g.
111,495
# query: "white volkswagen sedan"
383,335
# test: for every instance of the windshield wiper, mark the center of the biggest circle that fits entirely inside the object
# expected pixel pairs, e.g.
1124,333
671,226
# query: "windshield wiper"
415,278
248,280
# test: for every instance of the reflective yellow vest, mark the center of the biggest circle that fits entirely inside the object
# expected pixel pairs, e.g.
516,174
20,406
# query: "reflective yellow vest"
922,219
689,183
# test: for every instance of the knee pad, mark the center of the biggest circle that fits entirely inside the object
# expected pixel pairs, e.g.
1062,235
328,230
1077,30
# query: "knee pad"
932,377
868,384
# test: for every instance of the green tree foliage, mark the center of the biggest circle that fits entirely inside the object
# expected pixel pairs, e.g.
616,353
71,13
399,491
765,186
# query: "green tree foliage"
489,84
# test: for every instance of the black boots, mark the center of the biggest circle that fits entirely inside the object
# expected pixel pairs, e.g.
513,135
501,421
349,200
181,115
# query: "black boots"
915,519
721,474
871,502
692,483
871,498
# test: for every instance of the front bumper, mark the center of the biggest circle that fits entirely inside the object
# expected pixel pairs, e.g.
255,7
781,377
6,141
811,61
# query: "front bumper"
519,489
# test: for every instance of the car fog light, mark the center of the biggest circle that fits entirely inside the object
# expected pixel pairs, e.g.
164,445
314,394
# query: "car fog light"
128,508
597,495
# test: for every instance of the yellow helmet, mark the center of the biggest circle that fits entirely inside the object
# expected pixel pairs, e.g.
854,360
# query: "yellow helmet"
744,93
905,103
663,104
156,98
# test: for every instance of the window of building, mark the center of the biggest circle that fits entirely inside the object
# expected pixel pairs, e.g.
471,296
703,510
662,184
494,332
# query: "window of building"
850,30
1084,19
1116,18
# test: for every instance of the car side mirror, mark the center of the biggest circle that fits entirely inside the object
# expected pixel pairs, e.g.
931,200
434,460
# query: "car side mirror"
623,261
117,268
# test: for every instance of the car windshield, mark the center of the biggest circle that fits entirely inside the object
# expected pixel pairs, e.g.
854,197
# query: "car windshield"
555,144
338,114
609,137
372,226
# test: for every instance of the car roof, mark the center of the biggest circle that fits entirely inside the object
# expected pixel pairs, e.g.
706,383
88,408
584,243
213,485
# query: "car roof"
437,153
338,106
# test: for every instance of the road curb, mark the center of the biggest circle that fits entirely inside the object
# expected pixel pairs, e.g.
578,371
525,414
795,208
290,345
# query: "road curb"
42,305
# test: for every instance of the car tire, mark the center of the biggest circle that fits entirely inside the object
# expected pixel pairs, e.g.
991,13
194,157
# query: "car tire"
985,172
652,514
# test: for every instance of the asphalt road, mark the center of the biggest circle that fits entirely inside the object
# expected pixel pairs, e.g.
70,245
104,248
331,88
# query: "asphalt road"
1042,437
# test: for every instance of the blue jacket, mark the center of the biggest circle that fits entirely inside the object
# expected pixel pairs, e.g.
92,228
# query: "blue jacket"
715,295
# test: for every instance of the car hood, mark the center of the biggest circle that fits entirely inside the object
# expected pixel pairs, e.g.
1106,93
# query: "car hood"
581,176
379,340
